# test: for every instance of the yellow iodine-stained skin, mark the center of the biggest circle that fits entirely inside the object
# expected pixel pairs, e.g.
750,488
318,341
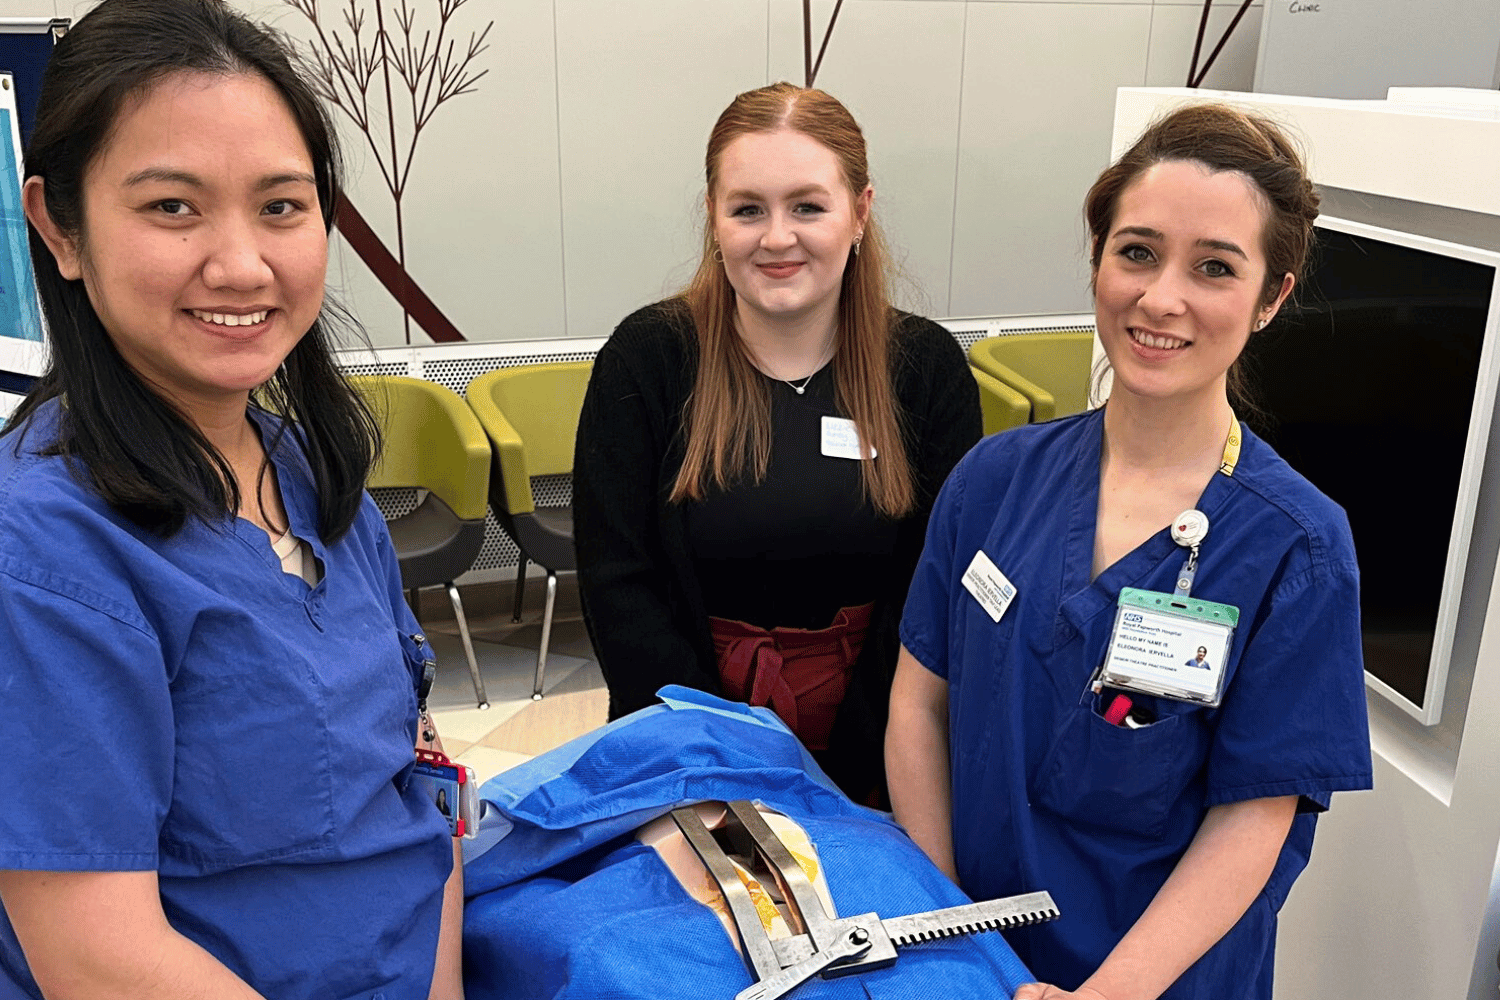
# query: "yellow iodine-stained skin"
663,836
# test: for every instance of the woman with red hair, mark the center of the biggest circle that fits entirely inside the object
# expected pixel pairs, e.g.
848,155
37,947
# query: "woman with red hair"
757,456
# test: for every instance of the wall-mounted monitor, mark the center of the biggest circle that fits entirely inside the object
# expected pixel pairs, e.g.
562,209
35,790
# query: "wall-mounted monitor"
1380,386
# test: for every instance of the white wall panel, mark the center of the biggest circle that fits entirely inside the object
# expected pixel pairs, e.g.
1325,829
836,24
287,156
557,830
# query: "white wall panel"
481,206
1038,103
485,235
639,88
1174,27
908,109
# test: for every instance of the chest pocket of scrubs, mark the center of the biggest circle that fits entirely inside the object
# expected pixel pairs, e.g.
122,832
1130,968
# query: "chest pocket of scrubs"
254,770
1120,779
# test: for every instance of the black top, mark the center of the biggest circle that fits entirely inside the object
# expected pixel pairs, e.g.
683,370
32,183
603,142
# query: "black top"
643,600
793,549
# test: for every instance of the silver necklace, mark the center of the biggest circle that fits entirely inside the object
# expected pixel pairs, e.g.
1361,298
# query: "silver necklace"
800,388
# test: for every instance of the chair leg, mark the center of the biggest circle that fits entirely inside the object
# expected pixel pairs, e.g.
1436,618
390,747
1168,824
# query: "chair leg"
414,601
463,631
541,653
515,614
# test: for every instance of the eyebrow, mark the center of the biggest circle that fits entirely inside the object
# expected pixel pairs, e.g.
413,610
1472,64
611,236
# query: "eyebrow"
164,175
1152,234
800,192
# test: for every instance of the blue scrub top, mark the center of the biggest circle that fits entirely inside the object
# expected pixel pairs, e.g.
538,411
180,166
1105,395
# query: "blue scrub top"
1046,794
184,706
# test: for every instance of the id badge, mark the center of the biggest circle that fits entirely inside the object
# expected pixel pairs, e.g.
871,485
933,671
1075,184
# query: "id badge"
451,788
1170,647
840,439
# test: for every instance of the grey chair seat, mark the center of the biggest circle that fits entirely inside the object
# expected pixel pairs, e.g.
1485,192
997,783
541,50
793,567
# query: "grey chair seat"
546,536
433,544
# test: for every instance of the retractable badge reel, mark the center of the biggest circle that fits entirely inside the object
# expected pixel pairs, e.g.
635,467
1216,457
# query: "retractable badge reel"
1172,645
448,784
1188,531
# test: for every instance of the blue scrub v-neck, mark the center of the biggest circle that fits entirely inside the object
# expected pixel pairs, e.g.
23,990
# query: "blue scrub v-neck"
1085,598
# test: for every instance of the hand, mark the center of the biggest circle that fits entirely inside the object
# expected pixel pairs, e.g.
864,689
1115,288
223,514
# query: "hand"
1042,991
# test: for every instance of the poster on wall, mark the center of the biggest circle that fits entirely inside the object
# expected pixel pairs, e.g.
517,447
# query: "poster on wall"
25,46
20,316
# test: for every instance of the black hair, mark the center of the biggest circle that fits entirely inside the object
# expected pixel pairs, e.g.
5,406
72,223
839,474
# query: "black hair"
141,455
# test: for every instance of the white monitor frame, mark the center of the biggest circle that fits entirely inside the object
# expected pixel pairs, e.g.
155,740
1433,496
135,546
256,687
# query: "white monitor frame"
1480,417
29,357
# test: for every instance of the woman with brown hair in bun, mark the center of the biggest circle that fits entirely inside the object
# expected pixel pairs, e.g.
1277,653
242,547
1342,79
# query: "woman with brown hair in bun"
1045,733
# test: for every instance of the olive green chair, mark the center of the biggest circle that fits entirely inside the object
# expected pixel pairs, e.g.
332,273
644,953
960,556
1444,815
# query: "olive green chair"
434,444
1002,406
530,413
1049,369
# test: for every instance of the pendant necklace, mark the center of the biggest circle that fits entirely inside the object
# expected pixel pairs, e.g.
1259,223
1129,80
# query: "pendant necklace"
800,389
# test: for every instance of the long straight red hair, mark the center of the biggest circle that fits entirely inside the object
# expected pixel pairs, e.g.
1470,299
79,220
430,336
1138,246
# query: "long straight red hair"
728,414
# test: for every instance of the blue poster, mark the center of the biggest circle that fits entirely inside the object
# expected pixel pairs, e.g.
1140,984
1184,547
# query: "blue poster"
20,316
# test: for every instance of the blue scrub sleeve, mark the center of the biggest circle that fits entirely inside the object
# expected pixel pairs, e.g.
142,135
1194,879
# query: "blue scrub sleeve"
87,726
1294,721
925,630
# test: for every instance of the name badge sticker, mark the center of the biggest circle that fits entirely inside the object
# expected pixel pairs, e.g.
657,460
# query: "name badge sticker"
1170,646
989,586
841,439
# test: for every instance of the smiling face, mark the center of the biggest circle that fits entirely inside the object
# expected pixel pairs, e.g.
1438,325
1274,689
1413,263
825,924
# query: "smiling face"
785,222
203,251
1181,280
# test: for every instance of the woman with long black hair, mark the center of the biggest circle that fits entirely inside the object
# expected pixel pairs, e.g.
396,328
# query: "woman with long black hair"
211,674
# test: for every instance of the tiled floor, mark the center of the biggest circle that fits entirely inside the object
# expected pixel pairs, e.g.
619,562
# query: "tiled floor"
514,728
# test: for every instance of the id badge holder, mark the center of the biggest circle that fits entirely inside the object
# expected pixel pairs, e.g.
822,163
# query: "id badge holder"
451,788
1170,646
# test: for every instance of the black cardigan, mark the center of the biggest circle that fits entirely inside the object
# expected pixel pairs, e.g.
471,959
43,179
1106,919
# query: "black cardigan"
641,600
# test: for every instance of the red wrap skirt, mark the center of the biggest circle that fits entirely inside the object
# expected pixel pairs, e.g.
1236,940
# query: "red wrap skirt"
801,674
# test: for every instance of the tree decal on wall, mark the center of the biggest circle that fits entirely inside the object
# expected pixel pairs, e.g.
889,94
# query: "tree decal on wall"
1196,76
390,79
809,66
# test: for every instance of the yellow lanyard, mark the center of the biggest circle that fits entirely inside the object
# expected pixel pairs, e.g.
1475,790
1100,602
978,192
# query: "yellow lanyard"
1231,447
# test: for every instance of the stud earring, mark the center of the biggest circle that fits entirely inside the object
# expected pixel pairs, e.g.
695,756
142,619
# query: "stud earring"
1261,325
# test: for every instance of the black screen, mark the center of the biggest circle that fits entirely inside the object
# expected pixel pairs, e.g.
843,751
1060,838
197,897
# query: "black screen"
1368,381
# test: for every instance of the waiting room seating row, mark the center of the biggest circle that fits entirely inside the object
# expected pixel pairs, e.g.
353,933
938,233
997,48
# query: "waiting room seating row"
464,456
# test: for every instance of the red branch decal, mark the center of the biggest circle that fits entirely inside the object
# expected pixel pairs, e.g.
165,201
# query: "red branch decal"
392,275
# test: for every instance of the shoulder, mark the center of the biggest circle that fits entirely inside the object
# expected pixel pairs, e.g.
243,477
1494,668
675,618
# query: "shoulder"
663,330
1314,526
57,535
1005,474
653,351
930,374
1035,448
924,346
